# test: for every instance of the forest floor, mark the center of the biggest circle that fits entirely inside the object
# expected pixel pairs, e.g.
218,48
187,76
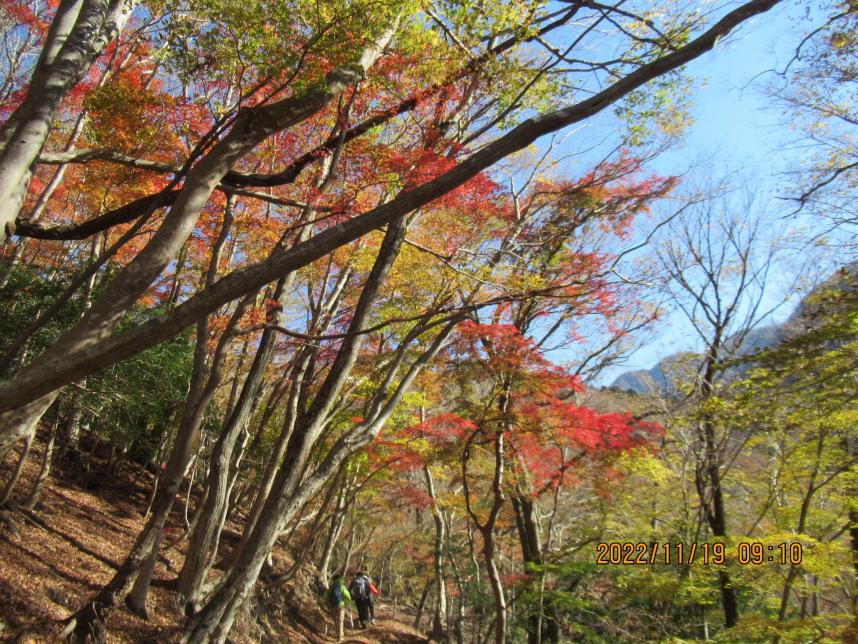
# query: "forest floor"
53,559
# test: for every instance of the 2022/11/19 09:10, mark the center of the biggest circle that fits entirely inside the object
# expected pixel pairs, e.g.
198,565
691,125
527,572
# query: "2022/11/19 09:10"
747,553
754,552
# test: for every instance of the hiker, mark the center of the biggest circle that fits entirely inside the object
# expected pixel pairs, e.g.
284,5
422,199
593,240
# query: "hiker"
338,595
372,592
362,596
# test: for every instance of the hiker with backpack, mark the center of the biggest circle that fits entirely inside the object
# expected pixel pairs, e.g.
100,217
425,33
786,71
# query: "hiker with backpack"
338,595
372,592
362,596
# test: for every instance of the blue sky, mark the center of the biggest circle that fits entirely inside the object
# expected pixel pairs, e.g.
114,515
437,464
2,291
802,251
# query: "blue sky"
737,128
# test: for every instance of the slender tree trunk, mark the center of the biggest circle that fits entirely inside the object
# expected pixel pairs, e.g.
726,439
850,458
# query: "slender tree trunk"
422,603
337,517
800,527
541,626
487,528
158,469
493,574
288,495
296,376
20,423
89,621
439,617
136,599
350,548
717,520
708,478
460,585
47,460
200,547
273,463
13,479
194,465
71,438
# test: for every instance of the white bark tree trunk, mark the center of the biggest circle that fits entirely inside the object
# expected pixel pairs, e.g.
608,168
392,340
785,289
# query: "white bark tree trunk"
252,126
79,32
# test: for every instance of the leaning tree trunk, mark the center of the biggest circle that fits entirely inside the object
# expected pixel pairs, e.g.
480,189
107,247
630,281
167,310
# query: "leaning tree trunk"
89,621
338,516
47,459
251,127
78,33
422,604
20,423
136,599
13,479
200,555
296,375
275,458
288,494
201,544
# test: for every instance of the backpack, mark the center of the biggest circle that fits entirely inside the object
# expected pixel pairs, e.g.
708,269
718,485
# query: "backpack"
335,593
360,589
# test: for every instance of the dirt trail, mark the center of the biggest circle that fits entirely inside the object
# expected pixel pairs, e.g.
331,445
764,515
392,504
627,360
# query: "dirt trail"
384,630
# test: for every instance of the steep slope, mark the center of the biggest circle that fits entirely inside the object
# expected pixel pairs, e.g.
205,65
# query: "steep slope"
52,559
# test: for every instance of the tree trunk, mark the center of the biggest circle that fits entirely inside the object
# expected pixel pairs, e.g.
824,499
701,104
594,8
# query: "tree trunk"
89,621
422,603
200,547
78,33
337,517
275,459
460,585
13,480
541,626
493,574
288,495
158,469
72,428
717,519
20,423
47,460
440,614
136,600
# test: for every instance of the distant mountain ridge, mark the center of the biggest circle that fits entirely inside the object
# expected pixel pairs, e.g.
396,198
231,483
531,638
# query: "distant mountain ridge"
656,380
